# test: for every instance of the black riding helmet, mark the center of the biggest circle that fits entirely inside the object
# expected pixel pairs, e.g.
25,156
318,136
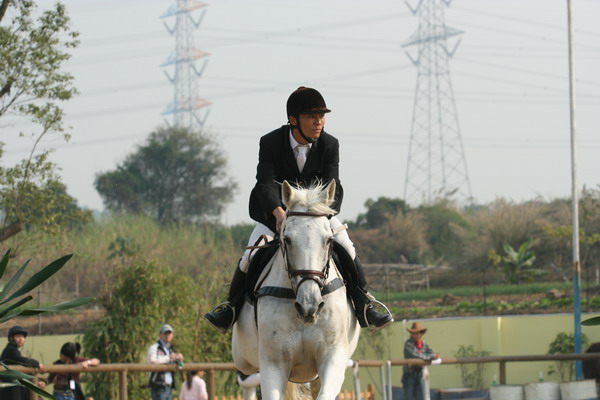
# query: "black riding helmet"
305,101
16,330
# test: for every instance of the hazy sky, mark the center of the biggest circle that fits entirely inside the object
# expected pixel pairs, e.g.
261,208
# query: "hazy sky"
509,75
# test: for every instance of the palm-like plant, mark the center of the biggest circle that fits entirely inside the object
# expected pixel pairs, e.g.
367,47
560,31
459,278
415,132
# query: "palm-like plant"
517,263
12,304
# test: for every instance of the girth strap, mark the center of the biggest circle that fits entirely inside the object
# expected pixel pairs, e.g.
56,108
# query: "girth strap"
286,293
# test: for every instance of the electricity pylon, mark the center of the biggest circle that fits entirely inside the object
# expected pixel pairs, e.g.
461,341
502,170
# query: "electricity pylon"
436,165
186,106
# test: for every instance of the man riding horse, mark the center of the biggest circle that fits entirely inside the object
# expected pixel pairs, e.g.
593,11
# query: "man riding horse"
301,153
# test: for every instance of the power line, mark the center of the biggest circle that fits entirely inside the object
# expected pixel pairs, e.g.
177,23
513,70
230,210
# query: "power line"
528,22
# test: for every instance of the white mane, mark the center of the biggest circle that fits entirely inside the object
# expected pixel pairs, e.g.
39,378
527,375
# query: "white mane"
310,199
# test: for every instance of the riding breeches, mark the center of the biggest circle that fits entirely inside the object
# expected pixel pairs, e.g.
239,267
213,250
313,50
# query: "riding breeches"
341,237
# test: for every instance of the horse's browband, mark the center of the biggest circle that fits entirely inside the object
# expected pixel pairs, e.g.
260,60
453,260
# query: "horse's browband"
307,214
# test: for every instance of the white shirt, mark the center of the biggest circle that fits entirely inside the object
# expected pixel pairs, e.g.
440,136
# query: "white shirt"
294,144
154,358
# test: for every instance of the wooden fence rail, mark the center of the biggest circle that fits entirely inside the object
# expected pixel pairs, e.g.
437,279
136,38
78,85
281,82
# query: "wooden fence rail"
210,368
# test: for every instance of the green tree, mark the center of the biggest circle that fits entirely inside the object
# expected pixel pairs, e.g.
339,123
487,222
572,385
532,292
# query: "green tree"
176,176
32,85
446,228
142,296
400,239
379,212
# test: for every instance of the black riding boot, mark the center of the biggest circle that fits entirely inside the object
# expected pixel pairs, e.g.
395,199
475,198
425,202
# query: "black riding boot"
225,314
357,289
363,303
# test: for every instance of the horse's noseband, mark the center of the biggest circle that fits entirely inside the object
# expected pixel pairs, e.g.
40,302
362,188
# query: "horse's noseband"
319,276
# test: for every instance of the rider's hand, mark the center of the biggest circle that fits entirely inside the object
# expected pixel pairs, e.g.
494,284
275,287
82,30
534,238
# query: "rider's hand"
279,214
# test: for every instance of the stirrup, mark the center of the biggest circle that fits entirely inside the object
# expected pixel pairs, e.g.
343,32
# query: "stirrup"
221,307
372,300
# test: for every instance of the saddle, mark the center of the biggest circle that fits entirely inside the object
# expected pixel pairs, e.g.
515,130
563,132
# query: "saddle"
258,262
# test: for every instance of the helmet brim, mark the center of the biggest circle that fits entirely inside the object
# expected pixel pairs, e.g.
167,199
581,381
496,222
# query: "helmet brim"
315,111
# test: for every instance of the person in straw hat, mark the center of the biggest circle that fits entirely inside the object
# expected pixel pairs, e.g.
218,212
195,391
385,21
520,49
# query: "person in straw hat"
415,347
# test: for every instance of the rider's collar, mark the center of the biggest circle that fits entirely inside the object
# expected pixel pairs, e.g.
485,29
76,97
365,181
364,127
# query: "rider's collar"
294,142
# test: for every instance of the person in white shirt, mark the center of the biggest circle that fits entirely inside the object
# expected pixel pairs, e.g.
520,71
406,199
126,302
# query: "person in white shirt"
162,383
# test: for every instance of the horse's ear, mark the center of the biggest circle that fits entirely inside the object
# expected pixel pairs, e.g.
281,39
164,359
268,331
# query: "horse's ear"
330,193
286,193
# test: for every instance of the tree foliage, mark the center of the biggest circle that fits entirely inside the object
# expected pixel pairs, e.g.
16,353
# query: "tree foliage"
176,176
379,211
402,238
32,85
32,52
141,297
446,230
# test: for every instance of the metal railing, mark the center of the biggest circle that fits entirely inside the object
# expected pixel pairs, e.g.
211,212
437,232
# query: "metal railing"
384,365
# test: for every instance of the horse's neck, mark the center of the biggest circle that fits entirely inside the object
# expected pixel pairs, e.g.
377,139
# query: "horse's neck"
275,274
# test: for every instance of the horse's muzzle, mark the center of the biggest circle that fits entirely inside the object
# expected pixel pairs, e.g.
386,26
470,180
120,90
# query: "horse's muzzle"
309,315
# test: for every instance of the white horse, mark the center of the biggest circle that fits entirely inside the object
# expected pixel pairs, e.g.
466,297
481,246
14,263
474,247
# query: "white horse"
303,326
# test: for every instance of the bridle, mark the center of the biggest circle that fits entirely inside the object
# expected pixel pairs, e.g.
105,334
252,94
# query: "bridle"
319,276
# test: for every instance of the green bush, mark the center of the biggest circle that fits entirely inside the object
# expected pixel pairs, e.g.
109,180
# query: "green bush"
564,343
471,374
143,295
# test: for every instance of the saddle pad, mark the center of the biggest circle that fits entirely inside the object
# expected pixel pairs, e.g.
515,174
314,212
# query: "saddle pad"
258,263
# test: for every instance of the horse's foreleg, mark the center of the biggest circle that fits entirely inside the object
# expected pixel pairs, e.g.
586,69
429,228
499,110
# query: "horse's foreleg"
331,374
315,388
273,382
249,393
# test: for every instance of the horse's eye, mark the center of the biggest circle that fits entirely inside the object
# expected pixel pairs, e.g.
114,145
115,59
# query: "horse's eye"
287,240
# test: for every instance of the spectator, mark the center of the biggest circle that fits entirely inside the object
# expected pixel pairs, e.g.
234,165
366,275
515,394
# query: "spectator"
162,383
67,386
415,347
11,355
194,387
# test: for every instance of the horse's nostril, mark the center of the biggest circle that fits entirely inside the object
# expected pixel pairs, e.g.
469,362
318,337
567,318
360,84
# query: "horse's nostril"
321,304
299,309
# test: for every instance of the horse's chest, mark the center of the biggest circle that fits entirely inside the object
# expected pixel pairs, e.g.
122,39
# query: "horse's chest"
296,340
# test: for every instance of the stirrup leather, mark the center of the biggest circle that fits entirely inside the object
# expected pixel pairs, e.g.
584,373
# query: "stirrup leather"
221,307
368,305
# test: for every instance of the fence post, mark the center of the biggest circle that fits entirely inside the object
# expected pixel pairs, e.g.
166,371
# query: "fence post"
123,385
503,372
356,378
210,380
388,364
